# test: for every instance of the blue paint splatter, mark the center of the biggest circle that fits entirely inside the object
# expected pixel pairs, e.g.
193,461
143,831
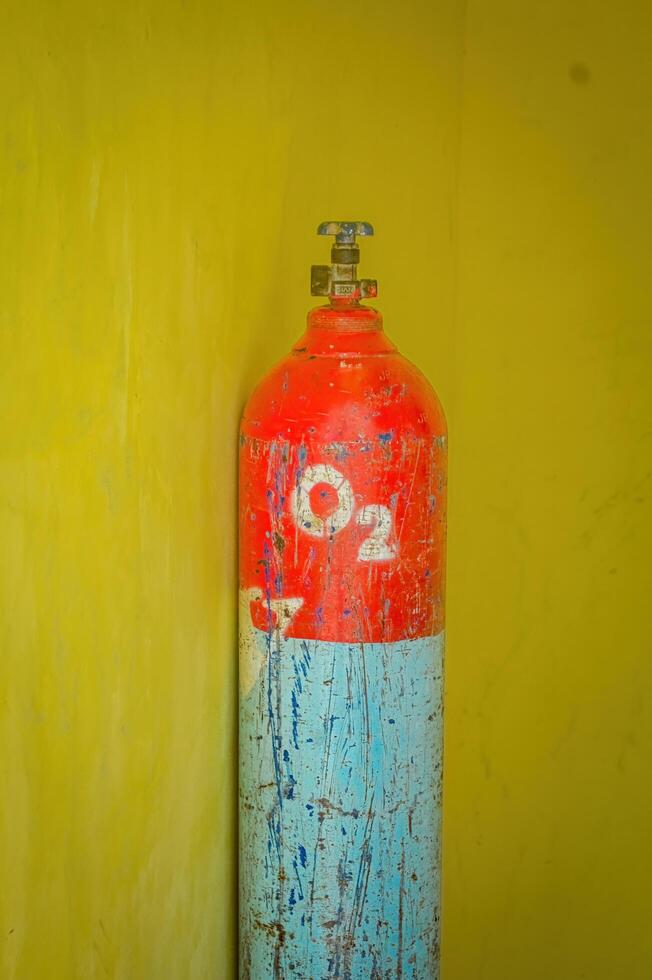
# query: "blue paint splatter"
340,451
295,720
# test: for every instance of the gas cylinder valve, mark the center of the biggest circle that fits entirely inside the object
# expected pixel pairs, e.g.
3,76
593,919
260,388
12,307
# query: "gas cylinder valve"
339,280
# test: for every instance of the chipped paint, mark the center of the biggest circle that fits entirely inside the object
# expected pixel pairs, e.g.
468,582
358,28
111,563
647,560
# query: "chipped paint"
346,827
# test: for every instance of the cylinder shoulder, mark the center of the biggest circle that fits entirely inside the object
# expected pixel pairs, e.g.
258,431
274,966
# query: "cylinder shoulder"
337,396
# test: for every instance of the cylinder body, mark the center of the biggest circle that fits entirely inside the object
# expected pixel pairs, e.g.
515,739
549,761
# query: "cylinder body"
342,537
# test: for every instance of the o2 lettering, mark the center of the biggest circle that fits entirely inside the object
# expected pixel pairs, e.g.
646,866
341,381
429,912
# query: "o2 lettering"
378,546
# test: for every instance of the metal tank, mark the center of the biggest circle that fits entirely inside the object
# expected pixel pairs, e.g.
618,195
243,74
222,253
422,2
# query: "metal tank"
342,552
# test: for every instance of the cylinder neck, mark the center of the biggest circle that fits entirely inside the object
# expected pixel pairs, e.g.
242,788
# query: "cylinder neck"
345,314
344,326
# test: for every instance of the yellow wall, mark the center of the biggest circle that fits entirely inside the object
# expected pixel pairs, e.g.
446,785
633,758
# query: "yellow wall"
162,168
548,855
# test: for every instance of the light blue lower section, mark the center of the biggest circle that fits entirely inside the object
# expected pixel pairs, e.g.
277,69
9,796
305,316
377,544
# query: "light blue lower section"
340,801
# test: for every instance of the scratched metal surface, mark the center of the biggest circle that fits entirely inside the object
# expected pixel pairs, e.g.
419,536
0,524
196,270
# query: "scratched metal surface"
340,794
342,540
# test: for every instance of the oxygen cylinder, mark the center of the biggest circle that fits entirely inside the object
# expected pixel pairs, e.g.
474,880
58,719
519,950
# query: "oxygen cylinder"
342,539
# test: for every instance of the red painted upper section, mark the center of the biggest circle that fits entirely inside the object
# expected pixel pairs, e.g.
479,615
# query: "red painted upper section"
362,548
